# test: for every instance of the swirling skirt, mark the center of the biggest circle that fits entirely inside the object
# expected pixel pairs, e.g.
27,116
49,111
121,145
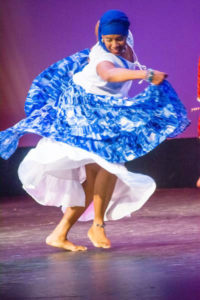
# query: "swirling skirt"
81,128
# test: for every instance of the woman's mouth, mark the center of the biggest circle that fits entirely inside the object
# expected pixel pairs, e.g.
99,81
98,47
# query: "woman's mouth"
116,51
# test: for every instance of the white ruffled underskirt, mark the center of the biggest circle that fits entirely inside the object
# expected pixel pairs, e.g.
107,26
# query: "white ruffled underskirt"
53,173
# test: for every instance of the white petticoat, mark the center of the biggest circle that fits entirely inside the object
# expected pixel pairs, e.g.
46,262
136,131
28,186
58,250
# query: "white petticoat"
52,173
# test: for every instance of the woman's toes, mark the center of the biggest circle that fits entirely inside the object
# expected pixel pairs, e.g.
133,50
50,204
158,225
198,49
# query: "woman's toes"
63,243
80,248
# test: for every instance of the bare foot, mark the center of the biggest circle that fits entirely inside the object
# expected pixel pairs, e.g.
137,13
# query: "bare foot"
97,236
54,241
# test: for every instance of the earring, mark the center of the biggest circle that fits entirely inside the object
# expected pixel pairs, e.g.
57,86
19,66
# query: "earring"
102,41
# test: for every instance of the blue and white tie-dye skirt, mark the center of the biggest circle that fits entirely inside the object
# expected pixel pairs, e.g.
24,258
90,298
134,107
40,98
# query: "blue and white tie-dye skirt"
80,128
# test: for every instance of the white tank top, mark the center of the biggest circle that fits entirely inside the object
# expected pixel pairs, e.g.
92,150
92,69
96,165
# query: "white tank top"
93,83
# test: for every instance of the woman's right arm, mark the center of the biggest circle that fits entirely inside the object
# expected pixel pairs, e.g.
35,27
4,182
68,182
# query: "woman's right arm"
108,72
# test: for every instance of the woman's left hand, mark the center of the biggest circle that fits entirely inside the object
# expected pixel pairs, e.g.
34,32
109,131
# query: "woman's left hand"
158,77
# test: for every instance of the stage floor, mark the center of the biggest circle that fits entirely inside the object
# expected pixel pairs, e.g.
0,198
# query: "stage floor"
155,254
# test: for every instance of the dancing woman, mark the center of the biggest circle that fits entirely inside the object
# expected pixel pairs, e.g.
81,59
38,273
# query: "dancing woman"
90,128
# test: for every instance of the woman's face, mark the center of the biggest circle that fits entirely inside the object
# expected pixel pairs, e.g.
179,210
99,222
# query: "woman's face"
115,43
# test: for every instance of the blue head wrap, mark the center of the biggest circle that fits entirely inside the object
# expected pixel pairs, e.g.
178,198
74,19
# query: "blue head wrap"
113,22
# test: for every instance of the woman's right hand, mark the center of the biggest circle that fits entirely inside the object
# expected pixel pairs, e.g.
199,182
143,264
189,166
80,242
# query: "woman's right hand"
158,77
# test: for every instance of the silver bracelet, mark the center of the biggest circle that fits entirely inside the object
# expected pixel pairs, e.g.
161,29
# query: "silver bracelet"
149,75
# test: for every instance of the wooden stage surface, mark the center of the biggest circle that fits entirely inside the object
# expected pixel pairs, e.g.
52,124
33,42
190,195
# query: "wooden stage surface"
155,254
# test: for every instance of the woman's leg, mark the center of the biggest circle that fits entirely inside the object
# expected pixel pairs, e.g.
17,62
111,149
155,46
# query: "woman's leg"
58,238
103,189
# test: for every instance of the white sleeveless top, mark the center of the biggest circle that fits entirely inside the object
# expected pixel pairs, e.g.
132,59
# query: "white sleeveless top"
93,83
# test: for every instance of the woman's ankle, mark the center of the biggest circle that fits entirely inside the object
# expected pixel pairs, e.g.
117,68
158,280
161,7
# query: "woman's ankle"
98,223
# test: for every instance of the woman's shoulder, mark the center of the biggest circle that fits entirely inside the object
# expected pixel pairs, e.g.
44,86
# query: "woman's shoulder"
97,50
98,54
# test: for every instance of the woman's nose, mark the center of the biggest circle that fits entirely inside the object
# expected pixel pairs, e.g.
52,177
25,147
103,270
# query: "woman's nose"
114,44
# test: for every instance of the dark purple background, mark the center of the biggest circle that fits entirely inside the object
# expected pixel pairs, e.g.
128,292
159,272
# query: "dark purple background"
37,33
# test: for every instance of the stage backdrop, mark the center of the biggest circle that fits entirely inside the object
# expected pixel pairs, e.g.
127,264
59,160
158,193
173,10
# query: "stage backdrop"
37,33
